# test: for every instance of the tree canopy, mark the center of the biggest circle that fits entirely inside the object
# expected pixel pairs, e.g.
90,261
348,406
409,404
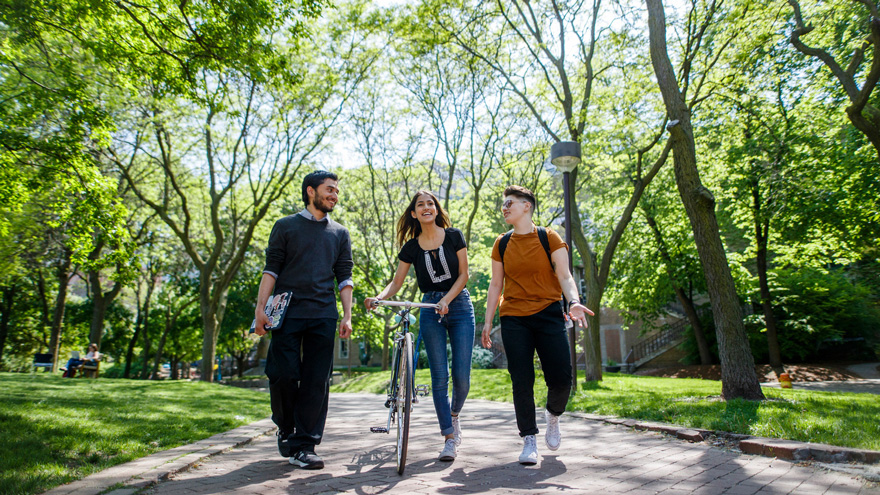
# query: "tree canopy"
728,174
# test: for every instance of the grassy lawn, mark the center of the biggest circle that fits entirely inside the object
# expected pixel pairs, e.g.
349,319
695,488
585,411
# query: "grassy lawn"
848,420
56,430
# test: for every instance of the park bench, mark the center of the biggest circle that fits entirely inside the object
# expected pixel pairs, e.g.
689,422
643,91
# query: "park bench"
44,361
89,369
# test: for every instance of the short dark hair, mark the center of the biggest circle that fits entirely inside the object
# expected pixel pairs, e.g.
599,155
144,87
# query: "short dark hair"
314,180
522,193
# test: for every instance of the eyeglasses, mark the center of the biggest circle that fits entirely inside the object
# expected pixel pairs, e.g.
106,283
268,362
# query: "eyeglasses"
507,204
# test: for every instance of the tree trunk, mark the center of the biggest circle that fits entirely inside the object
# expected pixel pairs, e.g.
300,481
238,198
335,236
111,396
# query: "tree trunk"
99,310
8,300
239,360
212,303
129,353
209,343
45,322
173,372
694,319
738,376
867,121
100,302
161,347
63,275
263,348
686,303
762,233
145,325
139,325
473,213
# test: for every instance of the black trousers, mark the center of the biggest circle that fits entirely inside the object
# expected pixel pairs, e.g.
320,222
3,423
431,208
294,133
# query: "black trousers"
545,333
298,366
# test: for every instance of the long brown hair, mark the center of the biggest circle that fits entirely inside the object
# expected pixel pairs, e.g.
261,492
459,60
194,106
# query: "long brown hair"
409,227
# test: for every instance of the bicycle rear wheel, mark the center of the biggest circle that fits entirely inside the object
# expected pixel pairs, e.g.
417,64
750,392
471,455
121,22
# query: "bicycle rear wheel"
404,399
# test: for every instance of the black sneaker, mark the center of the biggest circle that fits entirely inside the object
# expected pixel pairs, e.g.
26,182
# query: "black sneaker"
283,443
307,460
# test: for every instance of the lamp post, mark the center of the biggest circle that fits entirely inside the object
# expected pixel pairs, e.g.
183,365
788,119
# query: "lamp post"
566,155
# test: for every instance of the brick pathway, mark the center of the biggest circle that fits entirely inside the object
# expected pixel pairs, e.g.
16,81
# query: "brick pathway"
594,458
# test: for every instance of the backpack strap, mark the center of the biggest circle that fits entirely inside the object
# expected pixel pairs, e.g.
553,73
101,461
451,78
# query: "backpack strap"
545,241
542,236
502,244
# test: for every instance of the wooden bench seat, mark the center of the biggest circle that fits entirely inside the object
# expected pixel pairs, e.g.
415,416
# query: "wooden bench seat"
90,369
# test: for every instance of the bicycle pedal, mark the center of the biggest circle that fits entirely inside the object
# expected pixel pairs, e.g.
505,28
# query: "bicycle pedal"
422,390
378,429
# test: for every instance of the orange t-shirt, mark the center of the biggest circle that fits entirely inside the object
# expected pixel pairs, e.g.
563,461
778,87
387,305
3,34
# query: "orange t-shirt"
530,284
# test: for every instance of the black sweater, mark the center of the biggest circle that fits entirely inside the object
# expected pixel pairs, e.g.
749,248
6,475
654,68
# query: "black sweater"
306,255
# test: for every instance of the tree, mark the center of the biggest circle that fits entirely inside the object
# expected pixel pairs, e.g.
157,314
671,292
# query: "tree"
538,38
738,376
175,300
255,141
234,338
64,66
848,35
684,297
373,198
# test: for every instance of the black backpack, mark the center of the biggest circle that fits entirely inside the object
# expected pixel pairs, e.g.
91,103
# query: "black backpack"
542,236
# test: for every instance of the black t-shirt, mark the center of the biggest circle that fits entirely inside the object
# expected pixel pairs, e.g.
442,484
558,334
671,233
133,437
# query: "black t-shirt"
437,269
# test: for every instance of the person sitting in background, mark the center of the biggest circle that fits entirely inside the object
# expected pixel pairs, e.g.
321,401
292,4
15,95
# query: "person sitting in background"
75,363
93,356
72,365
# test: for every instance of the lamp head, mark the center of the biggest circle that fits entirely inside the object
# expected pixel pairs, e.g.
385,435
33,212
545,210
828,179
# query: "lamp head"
565,155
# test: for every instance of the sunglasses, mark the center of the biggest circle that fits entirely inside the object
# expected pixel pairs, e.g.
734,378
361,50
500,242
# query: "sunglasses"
507,204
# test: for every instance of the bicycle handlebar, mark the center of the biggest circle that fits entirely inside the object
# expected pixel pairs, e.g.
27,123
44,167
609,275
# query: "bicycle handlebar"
405,304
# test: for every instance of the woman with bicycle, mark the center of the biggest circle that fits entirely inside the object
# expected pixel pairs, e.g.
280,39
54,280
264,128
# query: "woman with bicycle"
530,264
439,254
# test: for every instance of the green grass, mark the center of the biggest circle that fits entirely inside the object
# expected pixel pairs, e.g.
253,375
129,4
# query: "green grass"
848,420
56,430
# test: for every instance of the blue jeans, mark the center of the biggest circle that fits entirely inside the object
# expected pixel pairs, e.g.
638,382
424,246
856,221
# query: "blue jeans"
458,325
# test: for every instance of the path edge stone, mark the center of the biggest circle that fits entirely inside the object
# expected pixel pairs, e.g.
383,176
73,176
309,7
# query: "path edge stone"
748,444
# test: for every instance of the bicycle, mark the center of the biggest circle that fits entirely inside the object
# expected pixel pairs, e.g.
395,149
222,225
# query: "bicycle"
402,390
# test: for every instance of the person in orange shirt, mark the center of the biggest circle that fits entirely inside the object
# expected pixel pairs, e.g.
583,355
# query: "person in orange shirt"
530,267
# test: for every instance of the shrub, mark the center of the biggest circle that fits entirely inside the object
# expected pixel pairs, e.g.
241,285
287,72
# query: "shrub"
482,358
817,314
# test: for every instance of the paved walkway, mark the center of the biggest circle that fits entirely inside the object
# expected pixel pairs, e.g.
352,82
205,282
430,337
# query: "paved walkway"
871,386
868,384
866,370
595,458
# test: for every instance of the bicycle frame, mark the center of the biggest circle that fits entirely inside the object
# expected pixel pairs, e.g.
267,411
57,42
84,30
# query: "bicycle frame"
398,349
402,396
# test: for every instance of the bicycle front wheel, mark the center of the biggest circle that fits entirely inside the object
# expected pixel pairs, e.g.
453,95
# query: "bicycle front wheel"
404,399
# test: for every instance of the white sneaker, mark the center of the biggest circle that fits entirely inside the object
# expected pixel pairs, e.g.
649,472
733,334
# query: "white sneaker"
529,454
448,452
553,438
456,426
